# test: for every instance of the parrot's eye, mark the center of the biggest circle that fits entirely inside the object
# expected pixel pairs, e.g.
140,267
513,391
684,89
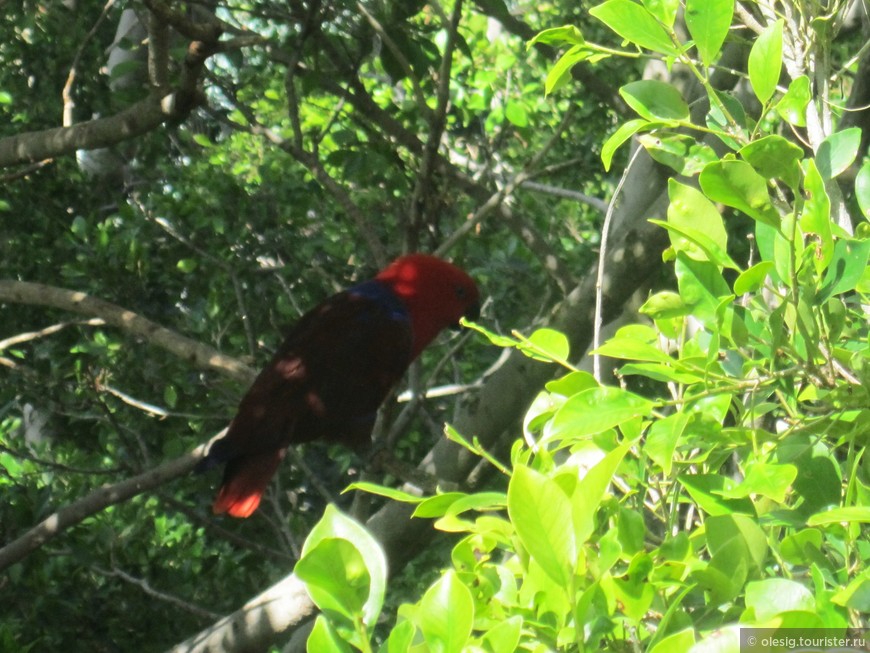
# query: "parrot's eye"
461,292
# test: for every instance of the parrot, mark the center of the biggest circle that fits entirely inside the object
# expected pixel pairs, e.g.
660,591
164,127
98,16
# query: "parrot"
334,369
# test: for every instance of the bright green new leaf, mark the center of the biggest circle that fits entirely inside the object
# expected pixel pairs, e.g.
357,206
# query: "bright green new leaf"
660,372
655,101
550,344
680,642
848,265
505,635
771,596
862,189
558,75
793,106
767,479
701,286
856,595
636,24
596,410
336,577
860,514
662,438
516,114
736,184
774,157
336,525
567,34
692,213
625,131
446,614
400,638
389,492
590,491
838,151
664,10
664,305
540,511
324,638
752,279
765,62
722,529
816,217
705,490
632,349
708,22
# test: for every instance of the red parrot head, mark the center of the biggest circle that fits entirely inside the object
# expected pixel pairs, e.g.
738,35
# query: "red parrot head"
435,292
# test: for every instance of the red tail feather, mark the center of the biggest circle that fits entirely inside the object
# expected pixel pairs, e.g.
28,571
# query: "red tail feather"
245,482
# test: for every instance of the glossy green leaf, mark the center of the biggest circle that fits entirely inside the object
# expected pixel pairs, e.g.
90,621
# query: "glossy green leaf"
334,525
446,614
389,492
848,514
400,638
772,596
856,595
662,438
660,372
838,151
774,157
596,410
728,121
679,642
324,638
567,34
540,510
692,213
516,114
722,529
664,10
636,24
765,61
752,279
684,154
815,220
655,101
336,577
765,479
550,344
846,268
736,184
625,132
705,490
663,305
862,189
559,74
504,636
590,491
701,286
793,106
708,22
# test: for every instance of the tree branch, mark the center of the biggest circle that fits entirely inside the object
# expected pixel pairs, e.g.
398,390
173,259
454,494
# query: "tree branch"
37,294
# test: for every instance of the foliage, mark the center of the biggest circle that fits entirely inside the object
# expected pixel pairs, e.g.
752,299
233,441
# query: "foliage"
730,488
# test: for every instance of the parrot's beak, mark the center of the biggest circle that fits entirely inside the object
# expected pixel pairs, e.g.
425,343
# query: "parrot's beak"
472,313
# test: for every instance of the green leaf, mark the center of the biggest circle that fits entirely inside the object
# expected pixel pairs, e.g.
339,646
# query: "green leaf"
636,24
862,189
752,279
664,10
838,151
685,154
664,305
446,614
540,510
680,642
567,34
400,639
662,438
325,638
767,479
774,157
335,525
705,490
708,22
701,286
692,213
559,74
772,596
590,491
187,265
765,62
736,184
505,635
389,492
848,514
848,264
816,217
655,101
720,530
659,372
596,410
856,595
552,345
516,114
625,132
793,106
336,577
